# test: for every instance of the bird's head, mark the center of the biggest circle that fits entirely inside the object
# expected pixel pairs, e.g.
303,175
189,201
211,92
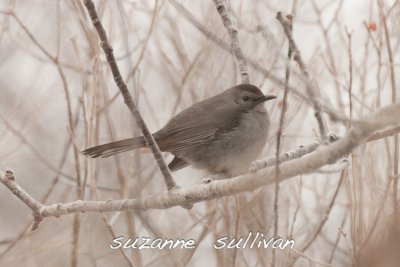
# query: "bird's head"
249,96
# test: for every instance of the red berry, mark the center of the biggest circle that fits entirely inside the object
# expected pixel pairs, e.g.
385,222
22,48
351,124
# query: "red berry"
372,26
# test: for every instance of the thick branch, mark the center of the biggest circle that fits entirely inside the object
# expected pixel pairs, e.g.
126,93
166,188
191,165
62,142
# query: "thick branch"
219,188
289,155
108,50
8,180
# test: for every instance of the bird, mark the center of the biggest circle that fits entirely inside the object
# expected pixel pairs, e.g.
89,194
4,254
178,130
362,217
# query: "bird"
221,135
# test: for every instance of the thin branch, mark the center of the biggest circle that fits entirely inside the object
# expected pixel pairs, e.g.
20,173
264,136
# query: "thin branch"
35,150
297,208
235,43
278,147
112,232
335,245
76,226
324,218
349,35
384,133
311,90
108,50
76,222
394,96
46,196
312,262
336,168
146,42
222,44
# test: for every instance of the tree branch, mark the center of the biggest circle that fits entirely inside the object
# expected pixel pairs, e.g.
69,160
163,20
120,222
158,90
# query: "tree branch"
128,100
235,43
182,197
311,90
8,180
290,155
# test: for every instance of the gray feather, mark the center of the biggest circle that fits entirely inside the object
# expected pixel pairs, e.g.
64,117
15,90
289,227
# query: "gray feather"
113,148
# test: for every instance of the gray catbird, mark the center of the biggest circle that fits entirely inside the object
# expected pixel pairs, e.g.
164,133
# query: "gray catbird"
222,134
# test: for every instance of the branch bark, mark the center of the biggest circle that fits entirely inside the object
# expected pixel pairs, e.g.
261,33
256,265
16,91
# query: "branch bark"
311,90
128,100
182,197
235,43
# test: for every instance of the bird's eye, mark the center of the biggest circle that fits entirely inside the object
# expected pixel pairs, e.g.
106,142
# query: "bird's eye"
246,98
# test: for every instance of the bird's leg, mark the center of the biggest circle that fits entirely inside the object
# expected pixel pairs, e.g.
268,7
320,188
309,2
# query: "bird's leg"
219,176
206,180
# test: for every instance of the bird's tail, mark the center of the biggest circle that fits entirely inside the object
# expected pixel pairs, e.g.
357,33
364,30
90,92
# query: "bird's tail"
113,148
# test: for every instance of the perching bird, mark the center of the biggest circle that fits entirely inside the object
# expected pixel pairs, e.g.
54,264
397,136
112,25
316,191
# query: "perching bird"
222,134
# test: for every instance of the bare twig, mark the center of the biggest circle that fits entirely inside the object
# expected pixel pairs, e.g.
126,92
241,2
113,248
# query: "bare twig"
35,150
348,245
349,35
335,246
338,167
278,147
112,232
108,50
384,133
311,90
331,65
312,262
79,185
324,218
327,109
76,226
222,44
235,43
45,197
297,208
394,96
146,42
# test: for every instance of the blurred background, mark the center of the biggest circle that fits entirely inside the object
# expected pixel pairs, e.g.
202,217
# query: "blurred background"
58,97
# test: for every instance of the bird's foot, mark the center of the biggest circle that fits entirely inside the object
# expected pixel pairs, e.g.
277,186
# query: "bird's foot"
206,180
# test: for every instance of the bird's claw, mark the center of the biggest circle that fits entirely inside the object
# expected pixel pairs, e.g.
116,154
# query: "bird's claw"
206,180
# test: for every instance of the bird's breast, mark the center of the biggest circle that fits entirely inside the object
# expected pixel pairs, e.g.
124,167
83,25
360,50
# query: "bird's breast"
234,150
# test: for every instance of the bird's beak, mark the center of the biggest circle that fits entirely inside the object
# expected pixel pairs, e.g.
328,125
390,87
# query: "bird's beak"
267,97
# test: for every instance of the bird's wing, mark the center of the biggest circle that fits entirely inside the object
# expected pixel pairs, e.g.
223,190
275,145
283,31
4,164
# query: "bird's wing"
198,125
177,164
